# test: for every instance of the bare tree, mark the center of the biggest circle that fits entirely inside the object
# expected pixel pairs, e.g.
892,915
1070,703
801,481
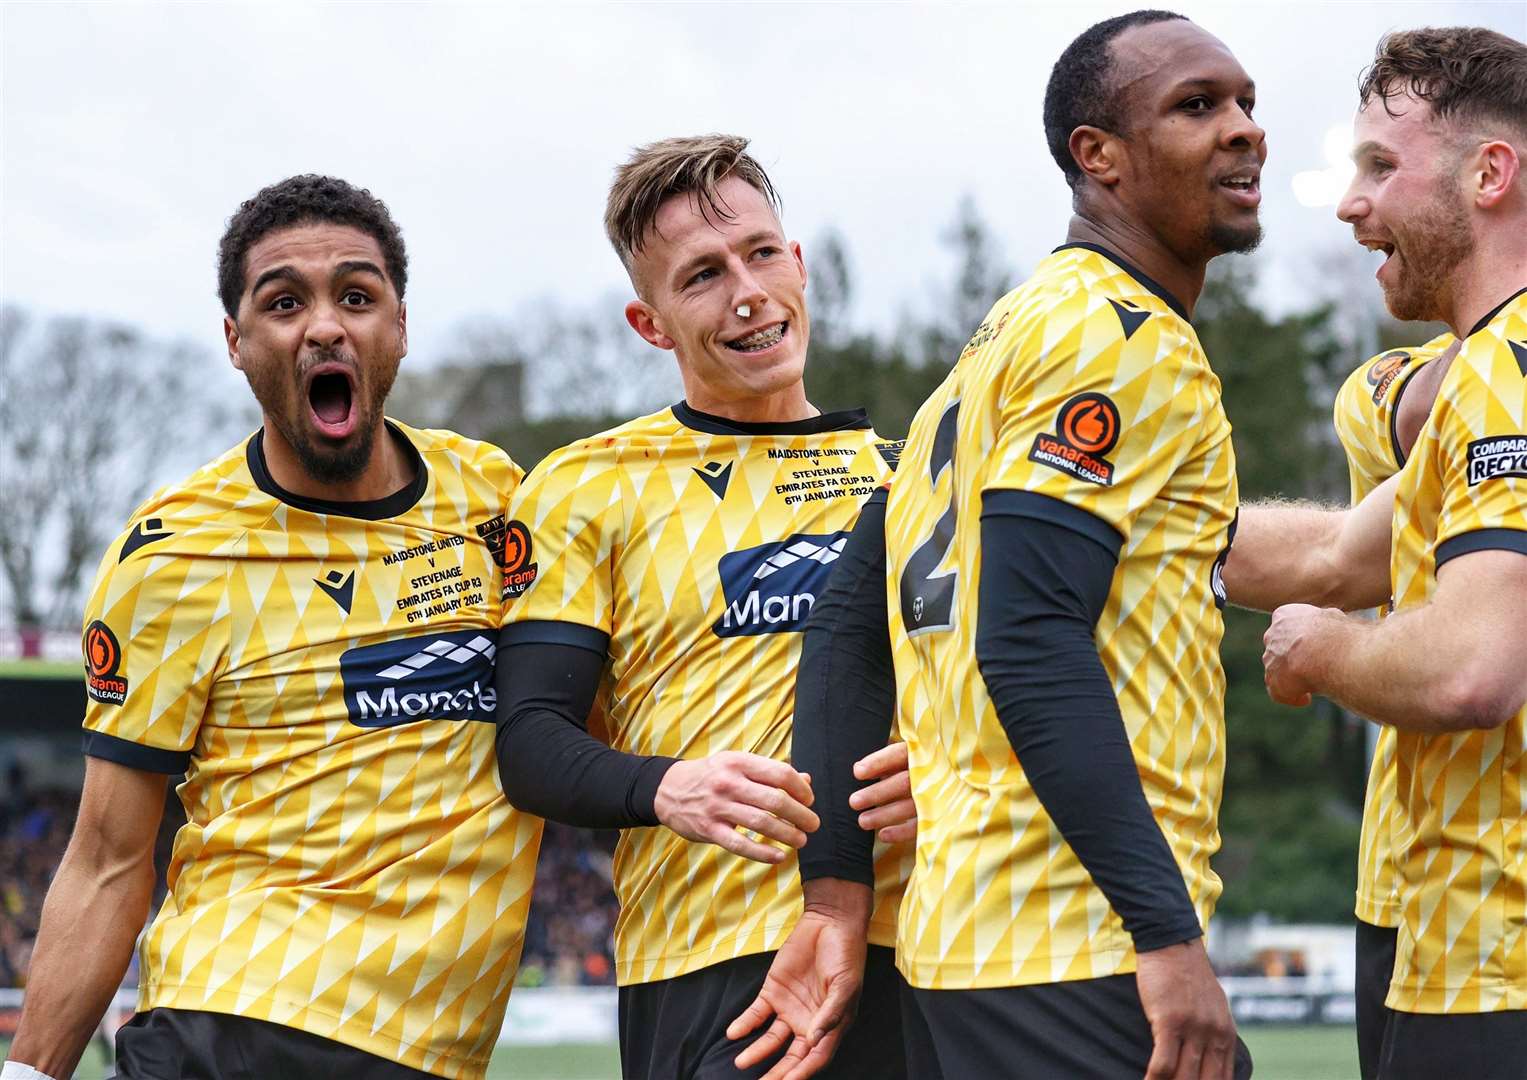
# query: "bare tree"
89,412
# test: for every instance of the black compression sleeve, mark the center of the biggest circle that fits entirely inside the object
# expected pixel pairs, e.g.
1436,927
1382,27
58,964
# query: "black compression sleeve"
548,762
1046,571
845,696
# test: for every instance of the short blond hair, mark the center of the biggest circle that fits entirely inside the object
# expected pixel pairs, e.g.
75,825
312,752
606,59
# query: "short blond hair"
693,165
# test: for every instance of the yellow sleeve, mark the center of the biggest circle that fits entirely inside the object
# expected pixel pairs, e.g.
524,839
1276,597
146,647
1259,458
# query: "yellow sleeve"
154,639
1481,419
565,518
1100,421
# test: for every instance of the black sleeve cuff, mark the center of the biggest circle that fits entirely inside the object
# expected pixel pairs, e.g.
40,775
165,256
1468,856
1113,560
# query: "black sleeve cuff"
554,632
641,801
1029,504
135,755
1482,540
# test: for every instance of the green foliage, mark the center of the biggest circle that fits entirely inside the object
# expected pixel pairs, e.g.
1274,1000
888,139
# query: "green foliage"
1293,784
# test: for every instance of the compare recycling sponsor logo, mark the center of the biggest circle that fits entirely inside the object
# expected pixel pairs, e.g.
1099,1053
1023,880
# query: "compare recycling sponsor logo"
770,589
1504,455
445,676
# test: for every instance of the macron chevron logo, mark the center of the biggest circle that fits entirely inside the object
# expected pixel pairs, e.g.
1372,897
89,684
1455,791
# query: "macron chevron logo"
801,549
439,650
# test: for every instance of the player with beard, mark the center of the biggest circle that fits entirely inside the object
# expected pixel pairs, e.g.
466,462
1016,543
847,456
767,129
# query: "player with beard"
303,628
1378,415
666,567
1042,580
1441,135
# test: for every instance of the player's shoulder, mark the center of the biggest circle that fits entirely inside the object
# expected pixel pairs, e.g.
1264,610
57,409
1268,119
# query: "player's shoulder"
1083,301
641,437
463,453
201,519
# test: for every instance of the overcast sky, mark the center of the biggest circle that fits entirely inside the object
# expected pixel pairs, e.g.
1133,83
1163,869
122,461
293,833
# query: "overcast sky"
131,132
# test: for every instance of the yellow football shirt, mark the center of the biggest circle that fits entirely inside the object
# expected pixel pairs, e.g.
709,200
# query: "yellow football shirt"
697,545
1364,416
1087,385
323,674
1462,798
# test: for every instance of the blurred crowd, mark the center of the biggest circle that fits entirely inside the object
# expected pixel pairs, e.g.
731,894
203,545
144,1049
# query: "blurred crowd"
568,940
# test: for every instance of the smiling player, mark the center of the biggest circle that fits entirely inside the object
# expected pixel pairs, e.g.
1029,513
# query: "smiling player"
669,565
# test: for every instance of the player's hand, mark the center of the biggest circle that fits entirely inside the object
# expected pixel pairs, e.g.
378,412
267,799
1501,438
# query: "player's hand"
1292,651
812,989
887,804
1190,1019
710,799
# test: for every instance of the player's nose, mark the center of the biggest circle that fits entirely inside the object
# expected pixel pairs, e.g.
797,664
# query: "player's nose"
324,329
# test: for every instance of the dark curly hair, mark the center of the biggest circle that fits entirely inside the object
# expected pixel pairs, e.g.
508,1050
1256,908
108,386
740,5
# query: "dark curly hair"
300,200
1465,73
1081,91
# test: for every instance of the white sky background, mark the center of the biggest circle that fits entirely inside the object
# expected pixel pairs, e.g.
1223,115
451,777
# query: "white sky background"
131,131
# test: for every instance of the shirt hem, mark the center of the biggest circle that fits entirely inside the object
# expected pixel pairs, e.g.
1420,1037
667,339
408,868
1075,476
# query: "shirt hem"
942,975
762,939
454,1067
1507,997
1384,913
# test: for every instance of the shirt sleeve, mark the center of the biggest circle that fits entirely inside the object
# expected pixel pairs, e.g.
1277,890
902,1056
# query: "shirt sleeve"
564,522
153,646
1481,420
1101,421
1038,607
845,698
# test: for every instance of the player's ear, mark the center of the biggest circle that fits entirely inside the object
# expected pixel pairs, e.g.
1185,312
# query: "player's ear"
1494,172
402,329
1095,152
231,335
800,260
644,320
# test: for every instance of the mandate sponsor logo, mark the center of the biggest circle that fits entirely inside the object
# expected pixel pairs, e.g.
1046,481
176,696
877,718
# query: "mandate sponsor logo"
1503,455
103,656
429,677
770,589
1086,428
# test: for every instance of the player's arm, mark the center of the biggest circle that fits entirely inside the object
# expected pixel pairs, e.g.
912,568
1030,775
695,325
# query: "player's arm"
845,698
96,906
550,765
1416,396
1453,664
1302,553
1046,574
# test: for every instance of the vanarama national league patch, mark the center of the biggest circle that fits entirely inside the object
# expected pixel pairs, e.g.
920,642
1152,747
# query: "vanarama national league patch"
1086,428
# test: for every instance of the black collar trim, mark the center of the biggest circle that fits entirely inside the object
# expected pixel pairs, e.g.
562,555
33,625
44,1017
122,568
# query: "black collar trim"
847,420
1150,283
1496,310
391,506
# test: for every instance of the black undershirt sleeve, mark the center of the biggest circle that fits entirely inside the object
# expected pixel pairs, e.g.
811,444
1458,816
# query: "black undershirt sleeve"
845,698
548,762
1046,571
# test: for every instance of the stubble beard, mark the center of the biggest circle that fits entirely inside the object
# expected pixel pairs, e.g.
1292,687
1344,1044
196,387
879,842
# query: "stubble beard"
326,464
1434,241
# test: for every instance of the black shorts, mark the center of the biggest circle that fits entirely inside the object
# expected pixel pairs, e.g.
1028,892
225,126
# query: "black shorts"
1375,968
1479,1046
675,1029
167,1044
1088,1029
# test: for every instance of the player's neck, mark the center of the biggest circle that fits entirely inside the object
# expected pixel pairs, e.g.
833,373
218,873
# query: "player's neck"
1485,279
387,471
1144,251
783,407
